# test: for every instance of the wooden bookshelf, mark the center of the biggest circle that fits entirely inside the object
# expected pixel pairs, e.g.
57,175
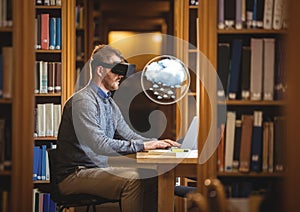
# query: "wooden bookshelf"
209,39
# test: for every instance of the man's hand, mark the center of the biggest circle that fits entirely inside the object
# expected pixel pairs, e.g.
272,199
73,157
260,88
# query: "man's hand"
160,144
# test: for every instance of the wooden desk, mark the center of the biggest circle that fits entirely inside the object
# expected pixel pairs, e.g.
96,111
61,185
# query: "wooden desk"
168,167
177,167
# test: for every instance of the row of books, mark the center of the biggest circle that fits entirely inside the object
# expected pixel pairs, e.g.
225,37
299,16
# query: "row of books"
42,202
48,32
6,72
47,119
251,144
40,163
6,13
5,145
47,77
240,14
48,2
252,72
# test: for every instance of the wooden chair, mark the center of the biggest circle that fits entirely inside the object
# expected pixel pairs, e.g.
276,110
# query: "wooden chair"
72,200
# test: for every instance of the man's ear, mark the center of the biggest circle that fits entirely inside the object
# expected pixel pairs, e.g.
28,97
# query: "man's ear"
100,71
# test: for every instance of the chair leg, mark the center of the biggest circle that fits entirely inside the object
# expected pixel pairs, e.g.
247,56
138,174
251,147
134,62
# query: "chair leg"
87,208
94,208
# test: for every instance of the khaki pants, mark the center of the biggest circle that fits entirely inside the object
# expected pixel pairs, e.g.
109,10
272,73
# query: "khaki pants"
115,183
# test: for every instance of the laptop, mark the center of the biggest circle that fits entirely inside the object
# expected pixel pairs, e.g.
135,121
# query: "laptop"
189,142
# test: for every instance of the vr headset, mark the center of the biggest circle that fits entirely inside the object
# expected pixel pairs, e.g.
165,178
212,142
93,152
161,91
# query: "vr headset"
124,69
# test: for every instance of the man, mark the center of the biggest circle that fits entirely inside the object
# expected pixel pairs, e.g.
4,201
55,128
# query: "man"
86,138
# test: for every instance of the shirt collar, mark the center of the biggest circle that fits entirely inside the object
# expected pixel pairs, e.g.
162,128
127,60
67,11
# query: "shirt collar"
100,92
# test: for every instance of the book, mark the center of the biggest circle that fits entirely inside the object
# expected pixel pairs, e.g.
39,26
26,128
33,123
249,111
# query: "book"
256,73
238,14
49,107
56,118
229,146
260,13
271,147
52,31
223,68
269,68
57,74
279,143
43,74
41,120
221,149
249,13
265,147
235,70
7,71
237,145
245,73
254,17
221,22
229,13
278,14
36,161
58,33
246,140
45,31
51,77
268,14
256,147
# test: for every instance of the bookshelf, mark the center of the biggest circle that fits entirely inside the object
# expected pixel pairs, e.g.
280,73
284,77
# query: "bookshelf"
55,62
209,42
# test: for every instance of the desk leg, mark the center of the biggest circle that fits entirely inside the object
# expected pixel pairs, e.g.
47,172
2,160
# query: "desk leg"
166,191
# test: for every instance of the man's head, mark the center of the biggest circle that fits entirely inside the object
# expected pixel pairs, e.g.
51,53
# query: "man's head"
107,68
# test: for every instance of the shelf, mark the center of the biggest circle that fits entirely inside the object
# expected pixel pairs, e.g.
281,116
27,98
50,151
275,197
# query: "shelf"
250,174
251,31
45,138
251,102
47,94
47,51
41,181
47,7
5,173
5,101
193,6
6,29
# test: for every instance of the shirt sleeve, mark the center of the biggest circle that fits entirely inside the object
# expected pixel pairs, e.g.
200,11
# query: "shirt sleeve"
91,135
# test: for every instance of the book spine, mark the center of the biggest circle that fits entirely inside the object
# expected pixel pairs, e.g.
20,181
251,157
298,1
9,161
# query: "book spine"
229,146
238,15
246,67
246,140
58,33
8,71
268,14
45,31
235,69
52,33
256,149
277,14
256,68
221,22
269,68
223,68
237,145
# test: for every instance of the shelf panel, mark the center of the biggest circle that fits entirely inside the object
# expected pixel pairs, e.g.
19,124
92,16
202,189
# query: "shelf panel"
47,94
5,173
45,138
251,102
5,101
47,7
41,181
251,31
6,29
250,174
47,51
